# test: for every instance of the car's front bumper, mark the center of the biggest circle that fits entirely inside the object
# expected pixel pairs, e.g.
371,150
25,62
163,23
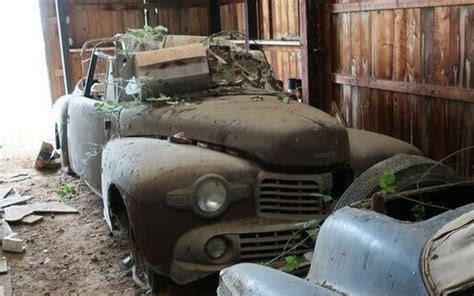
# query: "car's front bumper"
266,241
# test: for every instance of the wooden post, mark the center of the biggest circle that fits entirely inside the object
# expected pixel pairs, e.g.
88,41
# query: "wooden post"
312,53
251,19
214,17
61,13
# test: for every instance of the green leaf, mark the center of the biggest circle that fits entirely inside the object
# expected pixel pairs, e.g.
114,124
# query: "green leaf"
388,183
291,263
66,190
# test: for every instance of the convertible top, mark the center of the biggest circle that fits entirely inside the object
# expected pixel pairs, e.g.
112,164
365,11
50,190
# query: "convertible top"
449,255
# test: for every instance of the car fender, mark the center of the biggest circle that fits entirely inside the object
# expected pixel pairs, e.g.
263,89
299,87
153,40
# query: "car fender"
147,170
361,252
368,148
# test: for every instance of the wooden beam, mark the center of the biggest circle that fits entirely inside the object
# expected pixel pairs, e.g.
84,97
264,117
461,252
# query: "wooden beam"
134,6
227,2
63,30
394,4
411,88
251,19
311,40
214,17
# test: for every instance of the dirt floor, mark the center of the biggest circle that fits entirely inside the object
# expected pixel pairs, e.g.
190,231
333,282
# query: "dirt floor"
65,254
68,253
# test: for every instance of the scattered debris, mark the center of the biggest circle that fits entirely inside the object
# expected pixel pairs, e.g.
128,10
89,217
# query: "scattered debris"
52,207
6,229
48,158
308,256
15,178
257,99
180,138
13,244
337,113
128,261
5,284
17,213
285,98
14,200
44,156
5,192
94,258
3,265
31,219
148,38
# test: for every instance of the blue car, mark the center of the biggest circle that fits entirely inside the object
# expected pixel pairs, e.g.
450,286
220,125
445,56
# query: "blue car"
419,242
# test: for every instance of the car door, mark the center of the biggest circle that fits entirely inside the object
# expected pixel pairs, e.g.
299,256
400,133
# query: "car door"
88,123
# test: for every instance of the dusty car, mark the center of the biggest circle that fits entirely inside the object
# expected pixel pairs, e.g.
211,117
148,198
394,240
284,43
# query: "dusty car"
191,143
365,252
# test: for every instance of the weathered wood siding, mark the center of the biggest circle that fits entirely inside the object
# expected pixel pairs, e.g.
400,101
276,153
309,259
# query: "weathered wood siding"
91,19
277,20
285,61
232,15
406,72
183,17
52,47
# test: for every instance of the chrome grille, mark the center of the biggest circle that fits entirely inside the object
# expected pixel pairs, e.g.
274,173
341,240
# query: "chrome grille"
291,195
268,245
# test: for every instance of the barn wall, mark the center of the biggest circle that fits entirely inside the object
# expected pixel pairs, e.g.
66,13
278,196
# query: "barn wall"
92,19
403,68
277,20
49,24
180,16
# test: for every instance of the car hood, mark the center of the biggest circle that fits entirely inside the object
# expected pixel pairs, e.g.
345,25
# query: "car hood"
277,133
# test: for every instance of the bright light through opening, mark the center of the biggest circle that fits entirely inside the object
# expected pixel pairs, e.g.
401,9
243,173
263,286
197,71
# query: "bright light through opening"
25,112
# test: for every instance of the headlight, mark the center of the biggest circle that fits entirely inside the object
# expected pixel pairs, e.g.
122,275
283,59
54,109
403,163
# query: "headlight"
211,195
216,247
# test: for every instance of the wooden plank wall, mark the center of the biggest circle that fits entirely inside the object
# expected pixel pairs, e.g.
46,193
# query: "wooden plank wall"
285,61
402,56
180,16
52,48
278,20
91,19
232,15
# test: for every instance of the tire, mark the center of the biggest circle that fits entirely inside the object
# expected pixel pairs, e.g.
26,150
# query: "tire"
156,281
145,277
411,172
143,274
56,137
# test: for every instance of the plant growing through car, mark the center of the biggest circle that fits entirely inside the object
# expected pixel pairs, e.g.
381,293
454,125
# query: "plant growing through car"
111,108
388,183
156,33
292,263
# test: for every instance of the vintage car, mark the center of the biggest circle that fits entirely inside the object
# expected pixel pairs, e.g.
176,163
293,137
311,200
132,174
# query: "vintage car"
365,252
195,149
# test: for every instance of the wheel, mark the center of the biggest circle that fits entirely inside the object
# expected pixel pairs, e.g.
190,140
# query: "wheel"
411,172
56,137
156,281
143,274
